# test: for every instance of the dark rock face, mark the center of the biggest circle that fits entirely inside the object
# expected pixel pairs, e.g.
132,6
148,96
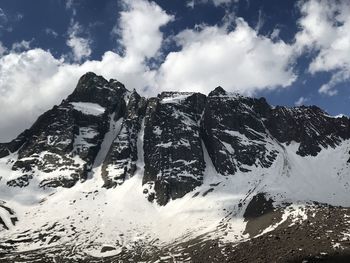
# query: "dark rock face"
238,131
234,132
258,206
123,155
309,126
14,145
9,213
174,161
95,89
61,146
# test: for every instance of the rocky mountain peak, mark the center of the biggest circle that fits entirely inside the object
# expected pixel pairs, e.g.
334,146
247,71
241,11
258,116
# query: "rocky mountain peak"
96,89
89,82
117,85
218,91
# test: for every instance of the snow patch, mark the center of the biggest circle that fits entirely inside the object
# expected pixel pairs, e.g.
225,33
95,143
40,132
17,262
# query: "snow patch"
175,98
88,108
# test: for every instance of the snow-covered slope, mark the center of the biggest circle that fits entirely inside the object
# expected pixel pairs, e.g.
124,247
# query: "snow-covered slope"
165,173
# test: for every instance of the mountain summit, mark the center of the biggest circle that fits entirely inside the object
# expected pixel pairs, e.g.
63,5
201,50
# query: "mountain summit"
110,174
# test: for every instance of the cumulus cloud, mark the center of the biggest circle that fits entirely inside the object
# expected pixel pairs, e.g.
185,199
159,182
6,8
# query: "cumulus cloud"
240,60
139,28
32,81
301,101
20,46
235,57
325,29
80,47
23,84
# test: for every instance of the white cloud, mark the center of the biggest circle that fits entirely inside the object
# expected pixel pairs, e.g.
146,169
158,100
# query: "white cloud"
223,2
80,46
51,32
325,28
237,59
33,81
3,18
240,60
18,17
70,5
261,21
24,85
139,28
301,101
193,3
275,33
190,4
20,46
3,49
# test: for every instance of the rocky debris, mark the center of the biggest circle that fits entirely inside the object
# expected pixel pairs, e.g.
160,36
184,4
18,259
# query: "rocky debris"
121,160
174,162
319,238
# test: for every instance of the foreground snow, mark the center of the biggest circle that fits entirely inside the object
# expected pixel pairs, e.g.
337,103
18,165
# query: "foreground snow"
94,217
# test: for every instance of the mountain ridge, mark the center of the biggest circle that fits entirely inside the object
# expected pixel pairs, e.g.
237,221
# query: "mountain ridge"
204,160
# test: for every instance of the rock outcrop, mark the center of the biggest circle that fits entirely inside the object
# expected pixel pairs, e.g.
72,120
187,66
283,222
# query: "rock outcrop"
61,146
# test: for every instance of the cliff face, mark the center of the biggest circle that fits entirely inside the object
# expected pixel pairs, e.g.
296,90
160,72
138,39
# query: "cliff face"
238,132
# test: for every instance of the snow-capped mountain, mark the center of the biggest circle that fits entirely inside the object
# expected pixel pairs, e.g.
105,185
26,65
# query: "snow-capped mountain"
110,176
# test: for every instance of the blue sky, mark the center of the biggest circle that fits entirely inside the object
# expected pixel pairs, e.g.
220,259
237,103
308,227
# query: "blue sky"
291,52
